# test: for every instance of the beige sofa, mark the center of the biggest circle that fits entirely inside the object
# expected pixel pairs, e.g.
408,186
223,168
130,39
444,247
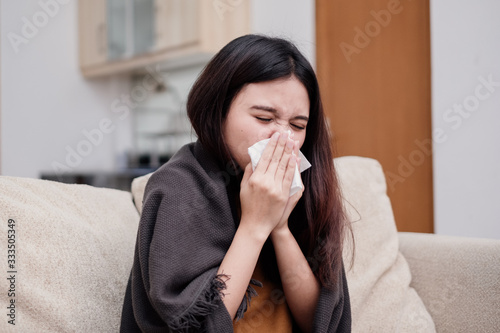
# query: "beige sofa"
71,249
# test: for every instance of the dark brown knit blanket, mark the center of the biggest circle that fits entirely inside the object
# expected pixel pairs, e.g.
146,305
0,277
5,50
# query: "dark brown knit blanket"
187,225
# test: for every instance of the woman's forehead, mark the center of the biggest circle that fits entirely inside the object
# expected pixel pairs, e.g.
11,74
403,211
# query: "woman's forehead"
277,96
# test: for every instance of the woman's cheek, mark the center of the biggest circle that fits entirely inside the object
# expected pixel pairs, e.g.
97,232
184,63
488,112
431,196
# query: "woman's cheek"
302,138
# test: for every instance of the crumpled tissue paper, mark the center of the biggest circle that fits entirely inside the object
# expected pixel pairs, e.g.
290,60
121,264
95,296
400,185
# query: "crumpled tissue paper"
255,153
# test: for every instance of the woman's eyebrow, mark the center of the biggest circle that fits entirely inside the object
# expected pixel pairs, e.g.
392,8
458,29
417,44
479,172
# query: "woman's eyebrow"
274,111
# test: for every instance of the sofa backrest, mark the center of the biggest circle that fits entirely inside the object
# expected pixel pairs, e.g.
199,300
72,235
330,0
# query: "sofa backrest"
71,248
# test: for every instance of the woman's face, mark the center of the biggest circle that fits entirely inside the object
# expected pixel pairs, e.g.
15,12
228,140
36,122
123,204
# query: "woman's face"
260,109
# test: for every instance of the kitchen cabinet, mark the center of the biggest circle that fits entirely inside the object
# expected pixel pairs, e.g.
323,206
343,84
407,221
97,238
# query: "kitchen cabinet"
127,35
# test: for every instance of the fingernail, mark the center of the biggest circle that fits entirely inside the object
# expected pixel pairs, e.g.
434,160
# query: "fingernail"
275,136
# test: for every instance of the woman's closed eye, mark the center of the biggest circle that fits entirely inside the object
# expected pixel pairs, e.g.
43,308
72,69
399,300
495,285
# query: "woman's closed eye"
264,119
299,127
296,126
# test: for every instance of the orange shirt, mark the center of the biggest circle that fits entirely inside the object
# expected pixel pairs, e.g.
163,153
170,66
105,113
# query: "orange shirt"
268,312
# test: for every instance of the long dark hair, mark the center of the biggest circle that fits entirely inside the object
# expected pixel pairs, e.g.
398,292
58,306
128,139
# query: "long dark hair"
318,221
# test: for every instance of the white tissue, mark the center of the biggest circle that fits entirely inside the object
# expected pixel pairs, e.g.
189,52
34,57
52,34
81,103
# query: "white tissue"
255,153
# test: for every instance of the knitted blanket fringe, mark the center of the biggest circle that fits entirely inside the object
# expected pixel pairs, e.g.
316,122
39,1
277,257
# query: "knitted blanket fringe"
194,316
245,303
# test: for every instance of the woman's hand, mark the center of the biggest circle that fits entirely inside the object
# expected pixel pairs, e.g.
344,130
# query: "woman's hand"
265,191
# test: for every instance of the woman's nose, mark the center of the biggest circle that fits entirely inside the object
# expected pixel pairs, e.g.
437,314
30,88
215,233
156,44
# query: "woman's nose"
277,127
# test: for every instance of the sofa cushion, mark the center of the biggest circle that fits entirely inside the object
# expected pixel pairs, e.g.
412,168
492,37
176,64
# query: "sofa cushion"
379,280
138,187
74,247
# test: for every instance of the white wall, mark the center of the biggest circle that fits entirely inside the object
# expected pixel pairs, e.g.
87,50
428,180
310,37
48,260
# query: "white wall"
292,19
465,50
46,104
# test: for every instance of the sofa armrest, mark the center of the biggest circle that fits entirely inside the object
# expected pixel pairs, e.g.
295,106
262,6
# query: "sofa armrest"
457,278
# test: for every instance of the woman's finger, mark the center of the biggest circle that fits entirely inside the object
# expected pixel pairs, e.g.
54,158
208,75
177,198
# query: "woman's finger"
288,177
267,154
279,154
283,163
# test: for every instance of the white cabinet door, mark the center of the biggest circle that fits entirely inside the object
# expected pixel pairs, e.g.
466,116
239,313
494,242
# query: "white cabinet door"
92,32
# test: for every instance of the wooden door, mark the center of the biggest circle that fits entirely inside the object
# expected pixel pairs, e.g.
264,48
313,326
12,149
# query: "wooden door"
373,64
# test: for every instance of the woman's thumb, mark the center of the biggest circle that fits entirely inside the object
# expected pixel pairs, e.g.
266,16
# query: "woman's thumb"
248,172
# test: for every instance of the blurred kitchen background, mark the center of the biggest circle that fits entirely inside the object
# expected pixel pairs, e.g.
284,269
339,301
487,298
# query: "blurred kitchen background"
95,91
69,65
